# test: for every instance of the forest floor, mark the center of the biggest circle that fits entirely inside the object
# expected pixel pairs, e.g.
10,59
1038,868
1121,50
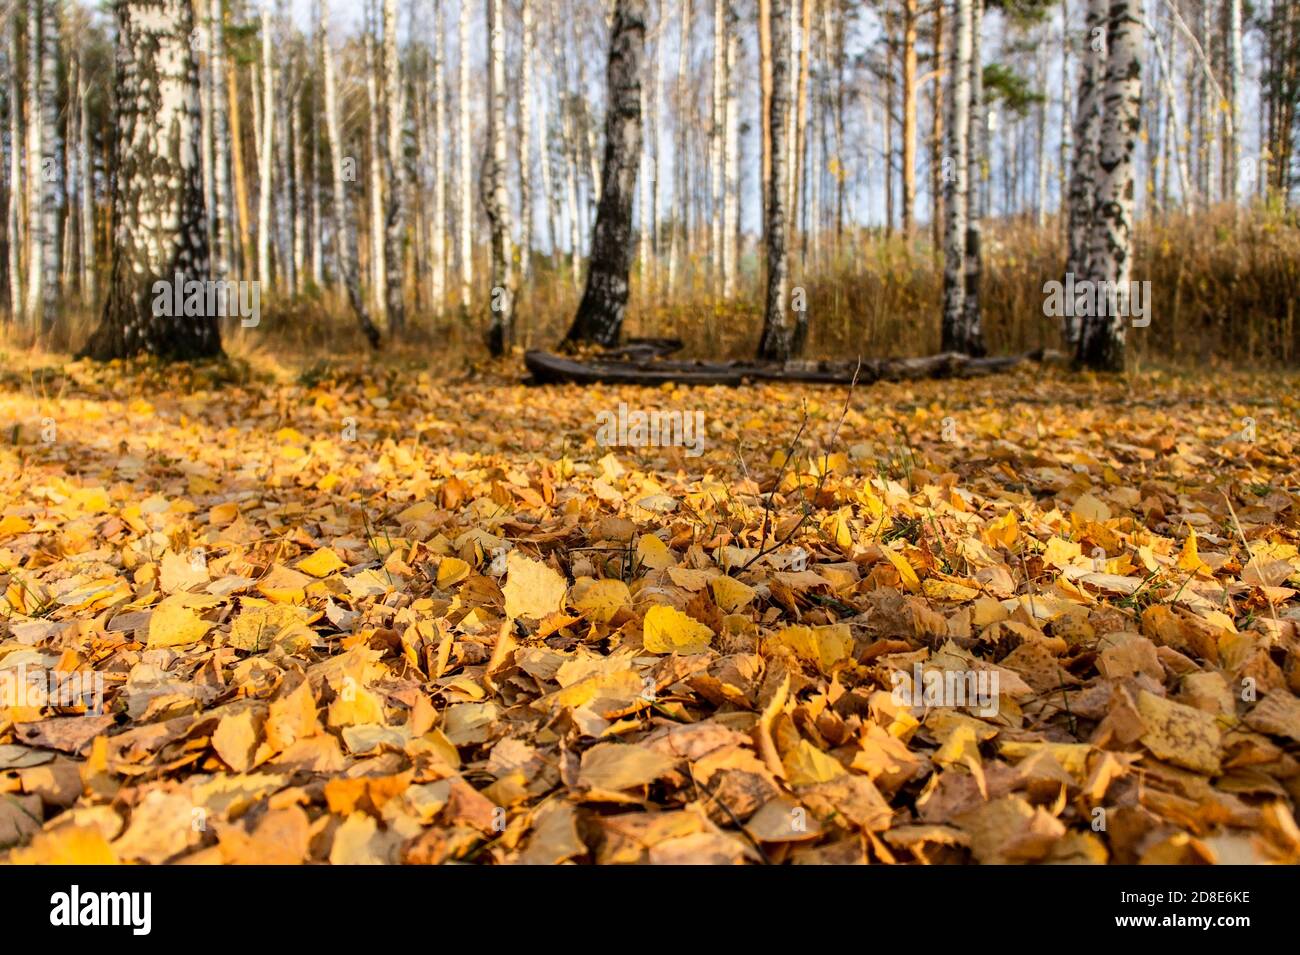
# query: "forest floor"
402,616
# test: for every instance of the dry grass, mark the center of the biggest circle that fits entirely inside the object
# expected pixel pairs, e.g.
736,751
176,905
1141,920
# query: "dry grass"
1224,290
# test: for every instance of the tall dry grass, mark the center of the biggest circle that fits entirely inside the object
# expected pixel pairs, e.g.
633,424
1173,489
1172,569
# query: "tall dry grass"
1225,287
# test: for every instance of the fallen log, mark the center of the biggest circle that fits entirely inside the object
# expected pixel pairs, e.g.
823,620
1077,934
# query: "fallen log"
547,368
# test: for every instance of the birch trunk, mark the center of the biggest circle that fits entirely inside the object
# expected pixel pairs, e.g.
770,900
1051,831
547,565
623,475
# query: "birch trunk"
972,319
1101,345
158,230
599,317
1235,76
496,198
956,178
778,339
14,217
465,220
264,157
395,173
1084,172
86,192
35,177
717,158
681,184
731,154
909,115
376,153
438,239
345,237
220,213
525,141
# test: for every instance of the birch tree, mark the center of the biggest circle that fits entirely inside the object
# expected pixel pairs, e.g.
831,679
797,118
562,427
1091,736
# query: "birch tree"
157,204
395,171
599,317
972,336
496,199
265,153
345,236
525,140
438,238
465,223
956,174
14,215
1102,341
1083,174
778,339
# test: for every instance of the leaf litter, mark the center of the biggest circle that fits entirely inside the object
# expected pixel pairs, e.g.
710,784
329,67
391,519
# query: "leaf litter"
379,616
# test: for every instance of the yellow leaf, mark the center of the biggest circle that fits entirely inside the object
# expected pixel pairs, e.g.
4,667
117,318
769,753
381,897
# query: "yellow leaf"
452,570
653,553
731,594
1061,553
173,624
823,646
937,589
322,563
910,580
601,600
532,589
668,630
1180,734
1190,559
284,586
806,765
12,524
1090,508
67,845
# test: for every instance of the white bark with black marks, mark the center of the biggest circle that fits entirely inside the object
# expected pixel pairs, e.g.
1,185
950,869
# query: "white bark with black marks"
1102,342
600,314
778,339
345,236
956,175
158,216
496,198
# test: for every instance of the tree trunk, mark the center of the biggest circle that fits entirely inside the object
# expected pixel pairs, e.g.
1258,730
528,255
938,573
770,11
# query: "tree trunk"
438,240
86,191
600,314
158,230
265,155
14,216
395,173
779,337
956,176
1083,175
345,237
1101,345
717,141
731,163
525,142
465,220
376,153
909,114
496,198
1236,75
681,183
237,166
220,214
972,319
765,88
